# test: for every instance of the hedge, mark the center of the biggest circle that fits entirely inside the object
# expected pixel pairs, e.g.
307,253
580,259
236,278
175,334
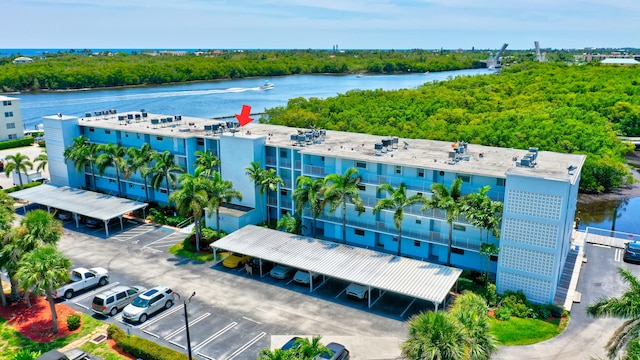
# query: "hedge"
142,348
26,186
9,144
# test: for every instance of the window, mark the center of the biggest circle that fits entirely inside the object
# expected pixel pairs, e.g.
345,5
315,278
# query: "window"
362,187
6,103
284,153
465,178
361,164
395,239
164,191
13,136
121,295
322,158
493,258
159,138
8,114
200,142
107,132
501,182
283,192
457,251
359,232
11,125
421,173
416,243
418,221
398,169
92,129
459,227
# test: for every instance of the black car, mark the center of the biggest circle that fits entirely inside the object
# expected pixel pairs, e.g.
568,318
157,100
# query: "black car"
255,265
338,352
632,252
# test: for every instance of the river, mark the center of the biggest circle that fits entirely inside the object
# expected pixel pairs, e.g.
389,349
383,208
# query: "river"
226,97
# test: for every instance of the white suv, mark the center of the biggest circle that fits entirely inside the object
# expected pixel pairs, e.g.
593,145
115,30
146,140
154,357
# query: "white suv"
150,302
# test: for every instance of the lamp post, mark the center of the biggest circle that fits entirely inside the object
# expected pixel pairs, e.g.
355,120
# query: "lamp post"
186,322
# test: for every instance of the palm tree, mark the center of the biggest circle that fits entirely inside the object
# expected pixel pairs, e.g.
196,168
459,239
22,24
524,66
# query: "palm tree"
38,228
471,312
191,199
488,250
625,307
7,215
83,153
290,224
434,335
164,170
397,201
138,161
265,180
206,163
112,155
18,163
43,270
449,200
309,349
340,189
220,192
43,161
309,191
275,354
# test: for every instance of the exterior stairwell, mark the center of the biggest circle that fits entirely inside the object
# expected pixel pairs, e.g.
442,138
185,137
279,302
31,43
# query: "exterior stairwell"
565,293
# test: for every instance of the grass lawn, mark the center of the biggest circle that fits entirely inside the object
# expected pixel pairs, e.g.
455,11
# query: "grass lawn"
518,331
179,250
11,340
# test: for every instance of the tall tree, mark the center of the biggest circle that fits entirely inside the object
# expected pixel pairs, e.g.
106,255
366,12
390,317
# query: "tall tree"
310,349
206,163
38,228
139,160
265,180
626,306
42,160
340,190
488,250
397,202
309,191
43,270
19,163
165,170
220,192
449,200
83,153
191,198
7,215
291,224
111,155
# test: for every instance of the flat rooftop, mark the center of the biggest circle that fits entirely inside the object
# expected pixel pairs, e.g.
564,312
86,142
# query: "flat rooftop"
428,154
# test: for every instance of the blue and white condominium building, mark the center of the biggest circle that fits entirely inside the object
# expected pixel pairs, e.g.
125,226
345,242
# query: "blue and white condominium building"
539,188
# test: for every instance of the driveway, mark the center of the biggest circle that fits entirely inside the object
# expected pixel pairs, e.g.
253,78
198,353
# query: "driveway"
584,337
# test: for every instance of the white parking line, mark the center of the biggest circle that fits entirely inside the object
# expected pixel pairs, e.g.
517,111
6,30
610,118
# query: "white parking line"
213,337
177,308
191,323
94,292
162,238
246,346
206,357
257,322
618,255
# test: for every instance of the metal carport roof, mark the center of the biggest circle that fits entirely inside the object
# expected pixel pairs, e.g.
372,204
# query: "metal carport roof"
83,202
414,278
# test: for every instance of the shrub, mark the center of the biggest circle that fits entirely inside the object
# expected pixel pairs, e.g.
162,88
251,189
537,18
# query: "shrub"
503,313
517,303
143,348
26,186
541,311
491,295
73,322
25,354
113,331
9,144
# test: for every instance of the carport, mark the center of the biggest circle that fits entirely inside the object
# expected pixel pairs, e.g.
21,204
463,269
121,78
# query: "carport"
377,270
80,202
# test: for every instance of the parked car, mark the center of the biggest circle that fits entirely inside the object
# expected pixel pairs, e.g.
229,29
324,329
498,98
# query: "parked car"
632,252
255,265
71,354
91,222
114,300
64,215
281,272
82,279
148,303
357,291
234,260
303,277
338,352
292,343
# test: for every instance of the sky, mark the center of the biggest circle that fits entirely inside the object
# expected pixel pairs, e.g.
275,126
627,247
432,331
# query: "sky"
319,24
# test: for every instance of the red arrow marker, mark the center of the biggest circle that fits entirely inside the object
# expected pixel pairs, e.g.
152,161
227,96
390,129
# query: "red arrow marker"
244,118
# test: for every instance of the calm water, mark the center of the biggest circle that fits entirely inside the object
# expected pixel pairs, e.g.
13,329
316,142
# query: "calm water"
222,98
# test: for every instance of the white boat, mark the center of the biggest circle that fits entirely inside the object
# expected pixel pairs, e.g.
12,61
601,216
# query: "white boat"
266,86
